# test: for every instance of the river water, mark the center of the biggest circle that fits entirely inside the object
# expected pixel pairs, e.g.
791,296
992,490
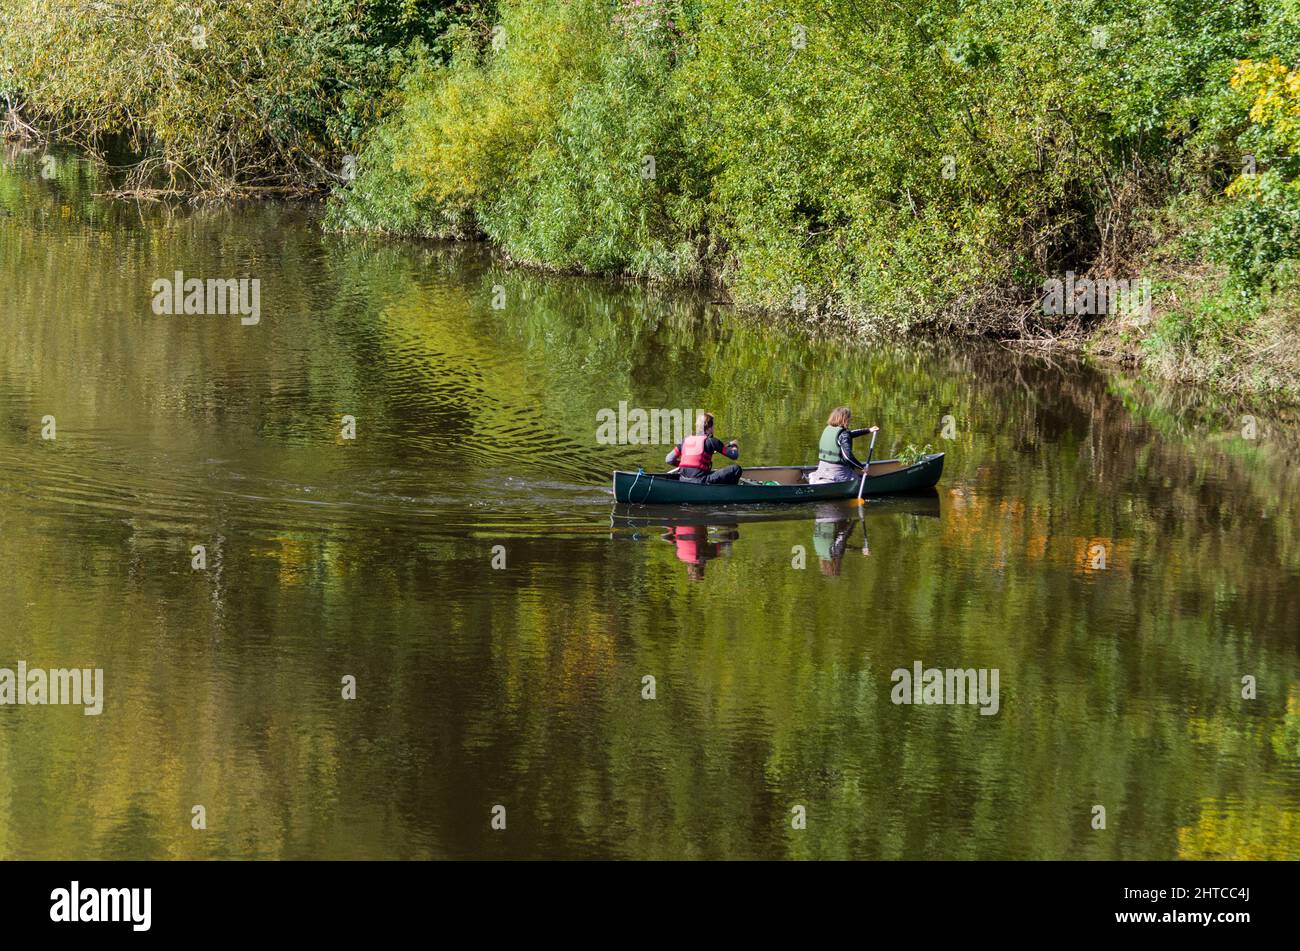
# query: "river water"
1121,556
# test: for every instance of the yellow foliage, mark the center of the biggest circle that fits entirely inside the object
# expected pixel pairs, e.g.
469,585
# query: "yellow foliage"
1276,91
477,121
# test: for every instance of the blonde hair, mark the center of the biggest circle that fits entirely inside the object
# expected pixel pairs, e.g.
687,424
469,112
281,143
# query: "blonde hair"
840,416
703,421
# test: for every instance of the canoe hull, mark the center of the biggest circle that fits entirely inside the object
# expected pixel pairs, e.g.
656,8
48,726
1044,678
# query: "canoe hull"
657,488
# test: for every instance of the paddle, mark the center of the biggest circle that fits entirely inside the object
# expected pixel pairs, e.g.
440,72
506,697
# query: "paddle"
866,465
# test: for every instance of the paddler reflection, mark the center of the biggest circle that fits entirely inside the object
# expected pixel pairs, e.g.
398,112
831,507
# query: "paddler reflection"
831,532
695,546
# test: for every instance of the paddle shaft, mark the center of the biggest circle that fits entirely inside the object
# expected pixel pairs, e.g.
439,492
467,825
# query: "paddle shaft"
867,465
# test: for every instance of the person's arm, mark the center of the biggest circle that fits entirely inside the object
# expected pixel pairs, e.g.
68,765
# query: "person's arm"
674,455
730,450
845,442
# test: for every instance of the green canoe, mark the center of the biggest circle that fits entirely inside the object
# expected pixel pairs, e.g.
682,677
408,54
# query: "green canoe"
791,485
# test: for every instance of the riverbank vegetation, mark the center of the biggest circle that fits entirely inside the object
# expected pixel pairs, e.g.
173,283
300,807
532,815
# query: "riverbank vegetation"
214,97
887,164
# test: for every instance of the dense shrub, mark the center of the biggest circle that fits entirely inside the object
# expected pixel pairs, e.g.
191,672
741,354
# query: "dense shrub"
893,162
214,94
563,137
934,161
612,186
1260,230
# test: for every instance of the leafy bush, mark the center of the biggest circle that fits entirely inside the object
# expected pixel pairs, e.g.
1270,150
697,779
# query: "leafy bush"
911,454
563,137
1261,229
213,94
612,188
895,163
913,161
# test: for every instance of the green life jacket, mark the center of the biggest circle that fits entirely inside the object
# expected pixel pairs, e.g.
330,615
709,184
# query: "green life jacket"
828,449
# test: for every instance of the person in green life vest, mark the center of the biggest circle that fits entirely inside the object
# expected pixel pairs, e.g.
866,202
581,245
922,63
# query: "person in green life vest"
835,459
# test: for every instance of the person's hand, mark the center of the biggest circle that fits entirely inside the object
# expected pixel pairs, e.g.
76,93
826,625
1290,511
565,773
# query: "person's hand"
734,444
874,429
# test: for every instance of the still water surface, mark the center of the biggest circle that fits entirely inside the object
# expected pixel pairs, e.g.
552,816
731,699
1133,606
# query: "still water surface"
522,686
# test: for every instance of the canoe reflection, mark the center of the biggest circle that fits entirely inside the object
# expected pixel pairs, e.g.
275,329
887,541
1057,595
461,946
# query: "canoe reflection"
831,535
699,535
695,546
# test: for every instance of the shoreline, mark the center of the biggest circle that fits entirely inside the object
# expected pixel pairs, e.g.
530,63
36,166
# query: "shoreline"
1106,342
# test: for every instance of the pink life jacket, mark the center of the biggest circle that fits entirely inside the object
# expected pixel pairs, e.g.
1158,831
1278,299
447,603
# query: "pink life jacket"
694,455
